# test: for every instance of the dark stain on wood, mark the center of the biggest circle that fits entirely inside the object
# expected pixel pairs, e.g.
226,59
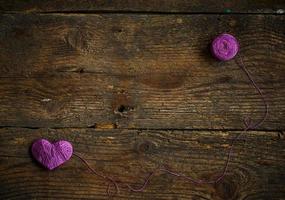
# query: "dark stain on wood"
227,189
122,104
145,147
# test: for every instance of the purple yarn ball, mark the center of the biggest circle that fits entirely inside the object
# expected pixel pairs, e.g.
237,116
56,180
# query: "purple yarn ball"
224,47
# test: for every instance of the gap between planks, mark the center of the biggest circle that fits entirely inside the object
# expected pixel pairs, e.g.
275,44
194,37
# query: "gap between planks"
123,12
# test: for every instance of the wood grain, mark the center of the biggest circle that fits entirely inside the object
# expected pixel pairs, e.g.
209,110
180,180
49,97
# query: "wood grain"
91,100
138,71
132,85
256,172
124,45
193,6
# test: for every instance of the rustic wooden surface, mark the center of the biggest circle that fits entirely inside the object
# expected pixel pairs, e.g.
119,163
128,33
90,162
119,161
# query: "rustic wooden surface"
132,86
256,172
138,71
176,6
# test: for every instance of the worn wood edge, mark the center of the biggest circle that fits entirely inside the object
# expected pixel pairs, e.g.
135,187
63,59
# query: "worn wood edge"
198,6
255,173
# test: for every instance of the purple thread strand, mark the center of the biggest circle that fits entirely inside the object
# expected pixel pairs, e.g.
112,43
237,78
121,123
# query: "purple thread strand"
248,126
109,179
145,183
266,106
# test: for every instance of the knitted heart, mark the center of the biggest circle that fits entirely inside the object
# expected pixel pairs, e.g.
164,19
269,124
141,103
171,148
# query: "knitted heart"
51,155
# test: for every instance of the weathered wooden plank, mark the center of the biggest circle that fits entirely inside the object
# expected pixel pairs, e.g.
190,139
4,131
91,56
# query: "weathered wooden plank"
193,6
256,172
90,100
137,71
35,45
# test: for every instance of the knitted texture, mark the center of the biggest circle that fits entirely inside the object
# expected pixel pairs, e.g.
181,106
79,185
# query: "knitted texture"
225,47
51,155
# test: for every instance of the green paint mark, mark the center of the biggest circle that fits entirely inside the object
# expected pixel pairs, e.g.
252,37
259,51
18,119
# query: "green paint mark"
228,10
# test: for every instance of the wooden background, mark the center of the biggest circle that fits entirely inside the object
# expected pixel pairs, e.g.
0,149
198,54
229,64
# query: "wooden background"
132,85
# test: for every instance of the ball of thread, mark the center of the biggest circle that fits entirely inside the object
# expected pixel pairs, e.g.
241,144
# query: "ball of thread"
225,47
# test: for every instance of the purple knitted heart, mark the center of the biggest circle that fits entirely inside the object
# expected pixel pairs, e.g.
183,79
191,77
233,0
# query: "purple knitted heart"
51,155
